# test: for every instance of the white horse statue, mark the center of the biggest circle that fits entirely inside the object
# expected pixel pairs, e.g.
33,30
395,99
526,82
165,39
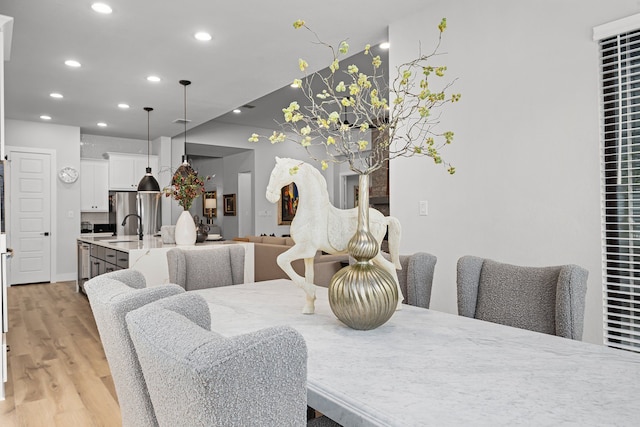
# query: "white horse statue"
318,225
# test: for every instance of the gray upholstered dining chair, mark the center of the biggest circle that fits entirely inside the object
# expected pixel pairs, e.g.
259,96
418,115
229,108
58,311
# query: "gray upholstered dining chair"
550,300
111,297
416,278
198,377
206,268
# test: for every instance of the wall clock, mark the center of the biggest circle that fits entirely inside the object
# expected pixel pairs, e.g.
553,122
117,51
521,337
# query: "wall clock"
68,174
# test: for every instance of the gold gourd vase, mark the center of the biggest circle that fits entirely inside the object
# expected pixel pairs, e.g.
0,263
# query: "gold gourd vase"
363,295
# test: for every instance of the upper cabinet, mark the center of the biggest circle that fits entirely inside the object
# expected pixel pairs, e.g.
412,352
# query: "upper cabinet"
126,170
94,186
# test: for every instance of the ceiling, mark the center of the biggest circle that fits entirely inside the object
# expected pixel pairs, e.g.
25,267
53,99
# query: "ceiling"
254,52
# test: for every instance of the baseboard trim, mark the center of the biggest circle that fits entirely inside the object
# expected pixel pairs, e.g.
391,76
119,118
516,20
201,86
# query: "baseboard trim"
68,277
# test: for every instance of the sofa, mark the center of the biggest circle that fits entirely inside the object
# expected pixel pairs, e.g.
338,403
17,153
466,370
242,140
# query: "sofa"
267,249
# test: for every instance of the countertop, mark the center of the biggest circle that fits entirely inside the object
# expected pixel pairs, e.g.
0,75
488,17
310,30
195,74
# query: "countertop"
130,243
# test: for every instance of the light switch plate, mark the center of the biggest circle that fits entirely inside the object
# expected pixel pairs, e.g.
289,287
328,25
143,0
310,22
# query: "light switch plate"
423,208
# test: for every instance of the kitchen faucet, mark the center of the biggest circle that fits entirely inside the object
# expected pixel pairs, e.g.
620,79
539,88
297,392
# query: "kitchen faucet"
139,219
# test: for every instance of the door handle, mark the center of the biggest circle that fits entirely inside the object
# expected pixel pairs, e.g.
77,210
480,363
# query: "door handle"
46,233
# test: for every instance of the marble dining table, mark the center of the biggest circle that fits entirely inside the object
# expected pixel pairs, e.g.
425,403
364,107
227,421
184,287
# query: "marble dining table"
425,367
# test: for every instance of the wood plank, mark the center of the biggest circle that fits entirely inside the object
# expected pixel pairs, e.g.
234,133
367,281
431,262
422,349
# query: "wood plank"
36,413
33,318
73,358
97,399
80,417
58,387
94,353
42,347
8,416
26,384
18,340
108,383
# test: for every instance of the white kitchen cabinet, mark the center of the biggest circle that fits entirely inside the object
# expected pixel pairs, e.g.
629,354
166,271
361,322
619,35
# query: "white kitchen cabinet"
94,186
126,170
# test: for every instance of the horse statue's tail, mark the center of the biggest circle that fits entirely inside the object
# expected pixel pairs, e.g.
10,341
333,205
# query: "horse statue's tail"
394,229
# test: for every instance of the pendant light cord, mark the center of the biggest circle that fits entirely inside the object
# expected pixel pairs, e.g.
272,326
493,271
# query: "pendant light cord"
148,110
148,139
185,83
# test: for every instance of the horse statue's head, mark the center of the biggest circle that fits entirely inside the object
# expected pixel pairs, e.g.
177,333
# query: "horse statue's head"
280,176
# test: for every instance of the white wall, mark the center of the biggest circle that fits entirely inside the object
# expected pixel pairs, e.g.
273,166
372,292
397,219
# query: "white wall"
177,151
65,140
527,187
162,148
96,146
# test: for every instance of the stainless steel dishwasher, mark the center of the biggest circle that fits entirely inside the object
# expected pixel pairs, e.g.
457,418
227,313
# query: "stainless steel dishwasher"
84,265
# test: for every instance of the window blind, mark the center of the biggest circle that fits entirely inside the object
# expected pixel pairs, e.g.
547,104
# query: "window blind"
620,124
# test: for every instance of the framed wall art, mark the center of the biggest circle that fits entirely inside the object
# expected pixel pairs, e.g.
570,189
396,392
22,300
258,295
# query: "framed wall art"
229,202
288,204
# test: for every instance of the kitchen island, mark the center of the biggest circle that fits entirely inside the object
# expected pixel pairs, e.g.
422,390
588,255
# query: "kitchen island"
149,256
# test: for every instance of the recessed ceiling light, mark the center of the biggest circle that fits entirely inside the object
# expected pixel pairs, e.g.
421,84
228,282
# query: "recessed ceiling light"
56,95
123,106
101,8
202,36
385,45
72,63
43,117
102,124
237,111
154,79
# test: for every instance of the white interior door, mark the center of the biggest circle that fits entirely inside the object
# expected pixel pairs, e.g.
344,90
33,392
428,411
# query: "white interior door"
244,205
347,195
30,217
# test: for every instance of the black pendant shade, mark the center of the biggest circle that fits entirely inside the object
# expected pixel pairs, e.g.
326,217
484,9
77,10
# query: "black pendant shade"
148,183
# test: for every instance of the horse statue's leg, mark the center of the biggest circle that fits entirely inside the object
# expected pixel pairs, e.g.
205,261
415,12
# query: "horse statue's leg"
390,268
309,286
284,261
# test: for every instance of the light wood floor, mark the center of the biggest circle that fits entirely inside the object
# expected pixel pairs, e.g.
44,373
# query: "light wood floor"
58,373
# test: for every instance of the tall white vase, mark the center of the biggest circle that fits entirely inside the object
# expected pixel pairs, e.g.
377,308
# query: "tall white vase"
185,230
363,295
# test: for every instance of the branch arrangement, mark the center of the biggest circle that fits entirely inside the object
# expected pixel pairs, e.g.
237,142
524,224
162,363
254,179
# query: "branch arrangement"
185,186
405,127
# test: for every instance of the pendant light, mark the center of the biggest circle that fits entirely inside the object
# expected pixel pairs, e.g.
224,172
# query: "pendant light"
148,183
185,168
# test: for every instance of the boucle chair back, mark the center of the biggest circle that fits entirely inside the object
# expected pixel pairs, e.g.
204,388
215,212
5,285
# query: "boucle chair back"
112,296
550,300
415,278
206,268
199,378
